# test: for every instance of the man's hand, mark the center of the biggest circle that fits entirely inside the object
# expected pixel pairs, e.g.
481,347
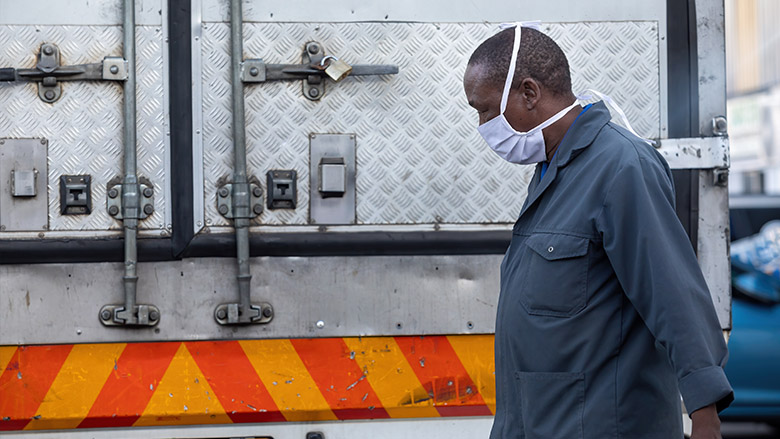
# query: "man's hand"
706,424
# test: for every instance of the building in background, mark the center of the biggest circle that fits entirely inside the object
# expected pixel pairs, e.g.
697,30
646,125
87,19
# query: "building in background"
753,88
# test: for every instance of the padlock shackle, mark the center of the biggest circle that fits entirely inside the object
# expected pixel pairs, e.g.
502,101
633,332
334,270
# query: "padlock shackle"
326,58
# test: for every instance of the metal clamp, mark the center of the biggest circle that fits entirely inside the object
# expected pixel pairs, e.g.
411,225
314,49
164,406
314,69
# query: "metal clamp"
310,71
228,209
118,210
139,315
48,72
233,313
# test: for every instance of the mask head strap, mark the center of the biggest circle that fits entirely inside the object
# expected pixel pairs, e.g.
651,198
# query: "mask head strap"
510,76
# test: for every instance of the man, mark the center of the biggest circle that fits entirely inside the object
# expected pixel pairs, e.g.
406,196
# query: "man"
604,317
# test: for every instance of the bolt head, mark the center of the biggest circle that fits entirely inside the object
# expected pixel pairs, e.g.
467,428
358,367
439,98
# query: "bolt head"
314,48
257,209
257,192
314,92
314,435
268,312
113,193
223,209
223,192
148,192
105,314
113,210
253,71
47,50
148,209
154,315
49,94
221,314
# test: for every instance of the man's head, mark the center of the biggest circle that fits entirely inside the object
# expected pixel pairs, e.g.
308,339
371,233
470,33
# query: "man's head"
541,85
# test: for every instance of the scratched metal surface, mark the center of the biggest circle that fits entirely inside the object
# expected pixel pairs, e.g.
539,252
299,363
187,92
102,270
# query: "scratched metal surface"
353,296
420,159
84,127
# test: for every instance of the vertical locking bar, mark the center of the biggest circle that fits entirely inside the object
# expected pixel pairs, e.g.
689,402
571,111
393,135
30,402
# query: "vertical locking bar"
130,314
244,311
130,188
240,186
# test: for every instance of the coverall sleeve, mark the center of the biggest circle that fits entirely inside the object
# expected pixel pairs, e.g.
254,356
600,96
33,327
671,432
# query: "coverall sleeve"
658,270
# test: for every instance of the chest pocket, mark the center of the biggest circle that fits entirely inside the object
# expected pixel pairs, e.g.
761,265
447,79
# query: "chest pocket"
554,280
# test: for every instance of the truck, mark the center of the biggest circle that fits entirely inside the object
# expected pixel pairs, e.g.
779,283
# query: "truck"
235,218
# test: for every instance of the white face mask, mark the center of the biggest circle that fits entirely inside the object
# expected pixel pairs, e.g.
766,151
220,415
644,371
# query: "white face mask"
514,146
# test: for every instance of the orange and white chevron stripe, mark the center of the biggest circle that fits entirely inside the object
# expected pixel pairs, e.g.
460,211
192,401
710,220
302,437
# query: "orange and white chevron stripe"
220,382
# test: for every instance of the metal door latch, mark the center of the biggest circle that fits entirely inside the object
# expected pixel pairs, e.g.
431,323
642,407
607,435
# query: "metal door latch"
48,72
126,201
315,67
248,200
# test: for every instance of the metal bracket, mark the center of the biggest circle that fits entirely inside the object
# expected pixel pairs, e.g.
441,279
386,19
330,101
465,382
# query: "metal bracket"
225,200
233,313
48,72
720,177
696,153
256,70
141,315
114,200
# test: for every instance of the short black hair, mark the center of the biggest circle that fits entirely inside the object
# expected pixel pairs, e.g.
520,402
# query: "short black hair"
539,58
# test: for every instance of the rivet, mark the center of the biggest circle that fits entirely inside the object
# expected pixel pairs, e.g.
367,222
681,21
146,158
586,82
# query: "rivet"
154,315
49,94
313,48
223,192
148,192
253,71
550,249
223,209
320,324
314,92
114,69
257,209
113,210
148,209
257,192
48,50
267,312
113,193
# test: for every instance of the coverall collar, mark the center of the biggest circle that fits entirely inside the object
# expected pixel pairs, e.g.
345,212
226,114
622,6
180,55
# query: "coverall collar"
581,134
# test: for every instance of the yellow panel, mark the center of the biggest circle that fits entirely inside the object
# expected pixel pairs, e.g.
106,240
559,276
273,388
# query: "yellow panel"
478,357
287,380
391,377
183,397
76,386
6,353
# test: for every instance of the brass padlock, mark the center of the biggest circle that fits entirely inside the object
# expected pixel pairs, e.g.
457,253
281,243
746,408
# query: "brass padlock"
336,69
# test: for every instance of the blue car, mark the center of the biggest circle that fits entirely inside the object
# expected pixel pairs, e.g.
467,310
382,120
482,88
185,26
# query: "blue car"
754,346
754,351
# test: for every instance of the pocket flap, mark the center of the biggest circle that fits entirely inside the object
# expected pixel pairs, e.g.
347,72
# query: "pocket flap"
553,246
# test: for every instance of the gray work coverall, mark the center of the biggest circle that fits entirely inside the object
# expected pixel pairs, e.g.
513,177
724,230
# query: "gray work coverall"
604,317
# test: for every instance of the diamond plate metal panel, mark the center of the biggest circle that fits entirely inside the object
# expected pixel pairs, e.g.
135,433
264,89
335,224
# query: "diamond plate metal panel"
84,127
419,156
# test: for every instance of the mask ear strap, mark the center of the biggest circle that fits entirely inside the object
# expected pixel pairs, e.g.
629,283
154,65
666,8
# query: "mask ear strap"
608,100
510,76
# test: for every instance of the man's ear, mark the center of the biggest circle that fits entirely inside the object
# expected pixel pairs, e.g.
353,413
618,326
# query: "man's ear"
531,93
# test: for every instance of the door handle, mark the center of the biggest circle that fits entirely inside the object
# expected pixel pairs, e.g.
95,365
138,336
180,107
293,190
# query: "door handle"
257,70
